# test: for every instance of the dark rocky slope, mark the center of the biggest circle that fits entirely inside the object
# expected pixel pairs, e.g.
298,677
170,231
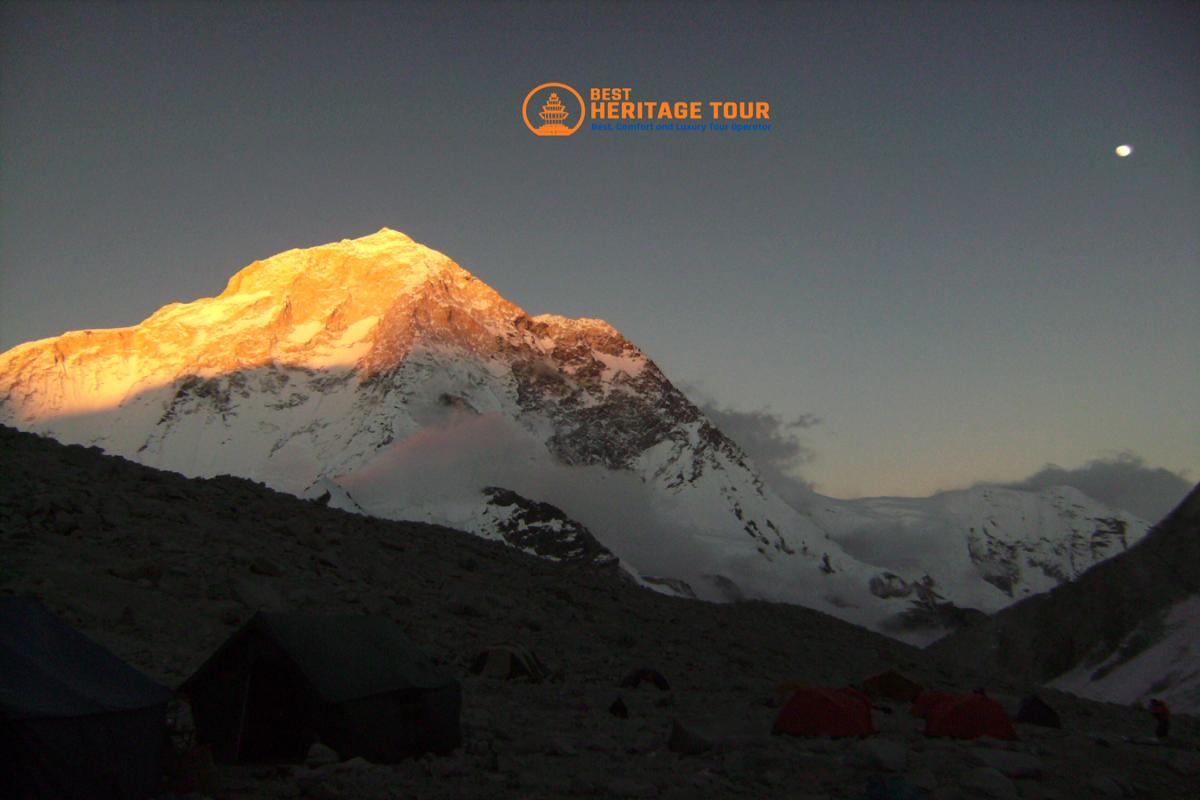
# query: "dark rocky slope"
1049,634
161,569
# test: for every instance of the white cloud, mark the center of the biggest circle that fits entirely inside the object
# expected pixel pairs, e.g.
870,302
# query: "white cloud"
445,467
772,442
1123,481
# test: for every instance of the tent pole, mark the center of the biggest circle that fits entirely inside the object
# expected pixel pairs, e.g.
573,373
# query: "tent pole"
237,745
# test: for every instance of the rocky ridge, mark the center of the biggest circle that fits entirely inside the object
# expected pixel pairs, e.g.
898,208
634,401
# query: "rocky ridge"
1105,620
160,569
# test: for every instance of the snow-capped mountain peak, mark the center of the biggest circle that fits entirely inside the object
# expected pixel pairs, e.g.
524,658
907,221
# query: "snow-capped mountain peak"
312,360
382,367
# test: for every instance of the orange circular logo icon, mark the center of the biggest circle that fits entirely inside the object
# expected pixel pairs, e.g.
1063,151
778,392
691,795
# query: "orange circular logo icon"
555,116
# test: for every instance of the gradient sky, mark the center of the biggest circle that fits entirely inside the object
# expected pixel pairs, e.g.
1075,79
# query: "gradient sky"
935,250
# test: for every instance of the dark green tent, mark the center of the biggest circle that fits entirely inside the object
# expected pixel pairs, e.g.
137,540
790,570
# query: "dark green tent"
1036,711
356,683
75,720
892,685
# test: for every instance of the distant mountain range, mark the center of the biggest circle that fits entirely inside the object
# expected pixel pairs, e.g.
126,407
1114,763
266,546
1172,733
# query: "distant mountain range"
379,376
1126,631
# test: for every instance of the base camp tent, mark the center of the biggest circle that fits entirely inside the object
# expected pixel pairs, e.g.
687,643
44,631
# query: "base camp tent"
892,685
969,716
927,701
356,683
1036,711
819,711
75,721
645,675
508,661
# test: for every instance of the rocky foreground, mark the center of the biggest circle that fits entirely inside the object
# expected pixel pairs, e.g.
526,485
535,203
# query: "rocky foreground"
161,569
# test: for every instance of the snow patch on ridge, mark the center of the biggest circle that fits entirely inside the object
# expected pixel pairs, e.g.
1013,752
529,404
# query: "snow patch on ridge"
628,366
1160,659
984,547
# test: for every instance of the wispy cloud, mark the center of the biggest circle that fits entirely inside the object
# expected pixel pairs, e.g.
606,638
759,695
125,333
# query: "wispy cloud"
774,443
444,467
1123,481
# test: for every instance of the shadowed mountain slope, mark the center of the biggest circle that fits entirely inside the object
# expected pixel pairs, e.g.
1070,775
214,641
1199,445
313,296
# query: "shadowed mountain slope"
161,569
1086,622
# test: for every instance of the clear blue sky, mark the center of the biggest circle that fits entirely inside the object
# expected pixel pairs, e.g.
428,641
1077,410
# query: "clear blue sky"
935,250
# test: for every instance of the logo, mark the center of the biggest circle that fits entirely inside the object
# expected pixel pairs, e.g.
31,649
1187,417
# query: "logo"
556,109
561,110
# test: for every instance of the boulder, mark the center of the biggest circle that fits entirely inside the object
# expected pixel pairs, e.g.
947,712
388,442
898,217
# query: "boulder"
990,783
321,755
258,593
628,787
1010,764
1186,764
878,754
1105,786
265,566
686,742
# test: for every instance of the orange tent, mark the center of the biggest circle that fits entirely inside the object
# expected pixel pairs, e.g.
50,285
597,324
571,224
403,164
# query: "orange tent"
927,701
969,717
819,711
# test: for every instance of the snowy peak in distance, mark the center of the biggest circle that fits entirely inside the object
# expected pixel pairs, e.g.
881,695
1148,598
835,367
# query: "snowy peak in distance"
382,376
983,547
1125,631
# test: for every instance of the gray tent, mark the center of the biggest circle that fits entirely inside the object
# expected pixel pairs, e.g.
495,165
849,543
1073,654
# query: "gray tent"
75,720
356,683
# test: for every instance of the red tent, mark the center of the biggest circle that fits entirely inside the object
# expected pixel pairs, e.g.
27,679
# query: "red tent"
926,702
969,717
819,711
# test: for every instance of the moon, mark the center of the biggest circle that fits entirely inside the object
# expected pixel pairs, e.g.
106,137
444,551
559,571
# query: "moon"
1123,150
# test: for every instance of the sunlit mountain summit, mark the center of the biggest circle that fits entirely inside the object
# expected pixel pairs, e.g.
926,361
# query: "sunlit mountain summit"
378,375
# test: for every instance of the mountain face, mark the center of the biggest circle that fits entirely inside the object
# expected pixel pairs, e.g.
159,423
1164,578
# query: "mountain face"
382,377
324,356
161,569
981,548
1126,631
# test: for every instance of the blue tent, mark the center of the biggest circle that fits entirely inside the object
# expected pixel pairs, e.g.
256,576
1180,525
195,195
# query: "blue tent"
75,720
